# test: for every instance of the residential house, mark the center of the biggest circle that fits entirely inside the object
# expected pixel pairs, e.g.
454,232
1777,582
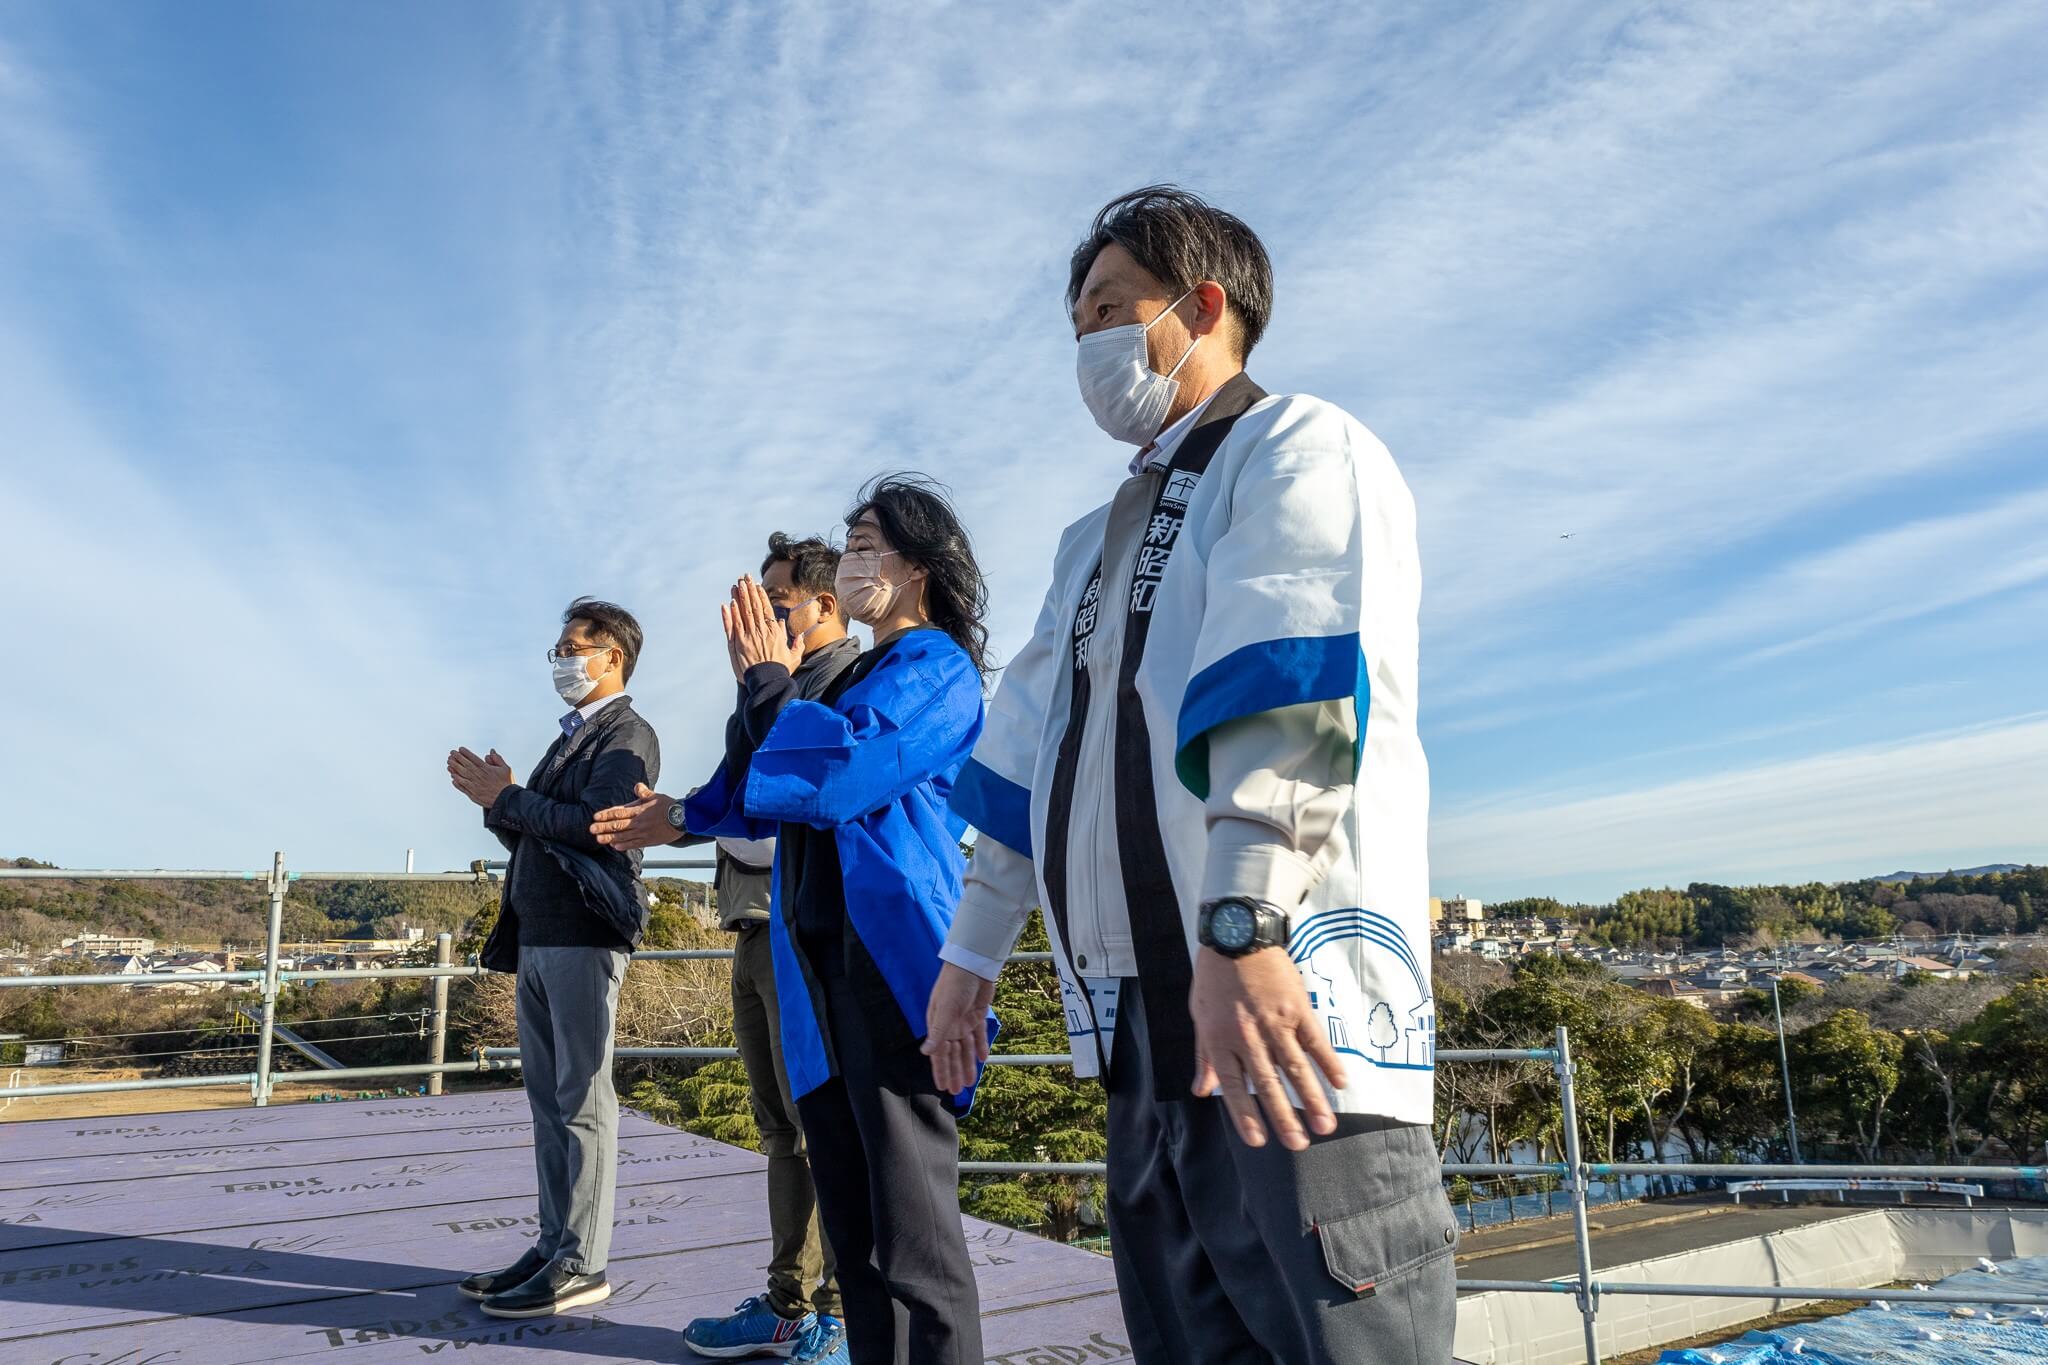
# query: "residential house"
1670,988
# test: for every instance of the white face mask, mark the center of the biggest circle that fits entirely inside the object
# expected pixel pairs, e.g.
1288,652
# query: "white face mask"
1126,396
572,678
863,592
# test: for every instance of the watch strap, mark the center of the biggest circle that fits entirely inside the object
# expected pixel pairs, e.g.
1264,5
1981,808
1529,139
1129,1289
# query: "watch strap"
1270,925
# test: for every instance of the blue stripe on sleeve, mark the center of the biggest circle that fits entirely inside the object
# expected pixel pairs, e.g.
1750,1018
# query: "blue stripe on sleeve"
1265,677
994,805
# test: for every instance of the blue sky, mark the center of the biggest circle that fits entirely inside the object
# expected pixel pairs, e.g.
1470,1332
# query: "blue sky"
341,345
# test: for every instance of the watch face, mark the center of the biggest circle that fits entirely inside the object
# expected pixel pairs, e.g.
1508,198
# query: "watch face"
675,814
1232,925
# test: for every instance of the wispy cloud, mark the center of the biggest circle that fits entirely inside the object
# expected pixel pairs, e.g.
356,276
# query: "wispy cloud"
457,320
1932,800
1874,581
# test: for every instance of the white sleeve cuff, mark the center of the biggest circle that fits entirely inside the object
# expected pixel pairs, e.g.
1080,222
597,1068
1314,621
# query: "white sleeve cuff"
1247,858
987,968
1001,886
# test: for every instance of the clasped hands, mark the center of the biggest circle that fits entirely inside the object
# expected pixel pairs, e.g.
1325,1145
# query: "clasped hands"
479,779
752,636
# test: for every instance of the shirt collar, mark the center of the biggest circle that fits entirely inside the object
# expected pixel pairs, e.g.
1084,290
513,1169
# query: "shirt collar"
1166,442
824,652
575,720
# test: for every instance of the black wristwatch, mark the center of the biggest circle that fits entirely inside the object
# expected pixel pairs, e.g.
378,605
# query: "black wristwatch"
1237,926
675,815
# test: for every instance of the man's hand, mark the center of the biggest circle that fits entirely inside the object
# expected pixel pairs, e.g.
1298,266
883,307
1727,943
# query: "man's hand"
1253,1025
753,634
956,1027
642,824
479,779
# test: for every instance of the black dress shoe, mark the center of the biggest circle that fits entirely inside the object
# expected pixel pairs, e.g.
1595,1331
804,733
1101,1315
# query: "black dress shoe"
497,1282
554,1288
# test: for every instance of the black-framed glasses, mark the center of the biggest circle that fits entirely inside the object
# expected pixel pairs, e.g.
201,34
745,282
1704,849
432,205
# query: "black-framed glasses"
556,653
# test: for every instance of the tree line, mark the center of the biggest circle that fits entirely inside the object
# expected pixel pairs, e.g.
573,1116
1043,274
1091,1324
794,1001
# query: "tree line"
40,914
1919,1069
1708,915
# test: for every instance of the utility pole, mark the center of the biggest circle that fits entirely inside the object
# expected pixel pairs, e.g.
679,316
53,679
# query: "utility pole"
1785,1070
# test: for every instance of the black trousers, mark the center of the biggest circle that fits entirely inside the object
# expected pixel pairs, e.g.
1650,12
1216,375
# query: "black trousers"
885,1157
1232,1255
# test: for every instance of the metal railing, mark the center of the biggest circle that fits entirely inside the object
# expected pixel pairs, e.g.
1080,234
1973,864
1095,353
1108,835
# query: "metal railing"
1574,1173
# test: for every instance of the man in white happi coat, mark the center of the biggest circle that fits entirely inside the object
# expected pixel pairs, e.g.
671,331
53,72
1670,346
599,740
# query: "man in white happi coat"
1204,766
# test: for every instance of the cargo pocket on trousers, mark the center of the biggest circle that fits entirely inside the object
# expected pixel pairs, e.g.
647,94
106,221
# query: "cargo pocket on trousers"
1366,1250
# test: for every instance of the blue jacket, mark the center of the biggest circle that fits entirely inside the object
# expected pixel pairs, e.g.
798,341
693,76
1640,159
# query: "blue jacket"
876,768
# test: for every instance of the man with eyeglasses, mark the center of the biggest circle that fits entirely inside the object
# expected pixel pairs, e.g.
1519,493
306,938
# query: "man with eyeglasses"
797,1316
570,913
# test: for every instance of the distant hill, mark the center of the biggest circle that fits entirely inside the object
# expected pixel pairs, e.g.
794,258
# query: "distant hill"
1983,871
42,913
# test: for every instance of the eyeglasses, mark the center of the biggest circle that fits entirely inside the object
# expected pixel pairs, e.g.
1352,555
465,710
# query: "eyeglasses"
556,653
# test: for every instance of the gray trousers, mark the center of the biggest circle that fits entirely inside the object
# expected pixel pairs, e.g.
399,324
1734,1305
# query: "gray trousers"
1233,1255
568,1002
800,1268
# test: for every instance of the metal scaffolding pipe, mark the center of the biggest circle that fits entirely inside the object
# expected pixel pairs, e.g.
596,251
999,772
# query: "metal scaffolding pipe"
273,927
1725,1170
105,874
1582,1236
382,973
239,1078
437,1050
367,1073
725,954
721,1053
132,979
1033,1168
1652,1289
384,876
317,1055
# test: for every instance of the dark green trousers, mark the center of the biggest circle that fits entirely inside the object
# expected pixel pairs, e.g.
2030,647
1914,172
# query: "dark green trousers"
801,1275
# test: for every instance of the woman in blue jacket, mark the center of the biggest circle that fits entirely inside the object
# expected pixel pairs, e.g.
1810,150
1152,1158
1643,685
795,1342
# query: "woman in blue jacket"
868,872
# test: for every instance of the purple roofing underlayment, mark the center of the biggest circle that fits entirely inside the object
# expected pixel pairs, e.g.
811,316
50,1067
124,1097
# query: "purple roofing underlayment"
336,1232
179,1202
237,1152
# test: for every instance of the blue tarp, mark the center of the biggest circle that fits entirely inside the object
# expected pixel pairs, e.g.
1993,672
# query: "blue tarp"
1920,1333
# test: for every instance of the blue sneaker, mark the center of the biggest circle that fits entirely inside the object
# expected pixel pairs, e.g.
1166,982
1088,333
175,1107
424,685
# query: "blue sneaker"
753,1329
823,1343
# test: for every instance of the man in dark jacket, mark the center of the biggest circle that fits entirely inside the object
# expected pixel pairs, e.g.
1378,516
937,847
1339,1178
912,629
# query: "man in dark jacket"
569,916
798,1315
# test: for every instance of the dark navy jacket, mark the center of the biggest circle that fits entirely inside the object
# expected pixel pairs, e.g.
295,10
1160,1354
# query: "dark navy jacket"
556,862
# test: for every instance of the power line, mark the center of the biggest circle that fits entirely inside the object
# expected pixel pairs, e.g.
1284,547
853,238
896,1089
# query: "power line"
212,1025
106,1063
126,1058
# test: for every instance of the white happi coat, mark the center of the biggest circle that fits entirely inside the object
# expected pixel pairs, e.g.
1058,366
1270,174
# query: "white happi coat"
1290,578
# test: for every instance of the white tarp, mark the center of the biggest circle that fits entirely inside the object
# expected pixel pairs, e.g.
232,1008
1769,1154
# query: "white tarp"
1858,1250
